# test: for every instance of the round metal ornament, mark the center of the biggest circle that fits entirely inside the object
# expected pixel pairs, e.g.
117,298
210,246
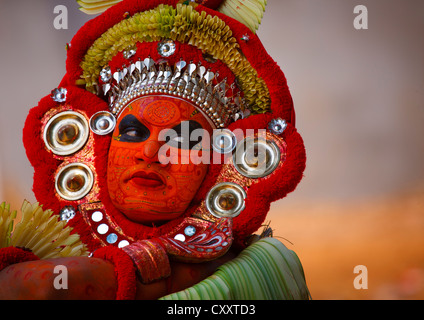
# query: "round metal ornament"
102,123
226,200
74,181
256,157
224,141
66,133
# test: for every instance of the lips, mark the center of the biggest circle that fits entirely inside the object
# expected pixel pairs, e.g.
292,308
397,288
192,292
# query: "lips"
151,180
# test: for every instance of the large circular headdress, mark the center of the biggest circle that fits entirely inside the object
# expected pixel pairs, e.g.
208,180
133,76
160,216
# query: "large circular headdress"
205,52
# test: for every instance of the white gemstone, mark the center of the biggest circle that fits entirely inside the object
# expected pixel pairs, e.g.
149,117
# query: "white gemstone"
180,237
123,243
97,216
103,228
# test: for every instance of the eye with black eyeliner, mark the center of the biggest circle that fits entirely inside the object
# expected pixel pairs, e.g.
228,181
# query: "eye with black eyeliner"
179,136
132,130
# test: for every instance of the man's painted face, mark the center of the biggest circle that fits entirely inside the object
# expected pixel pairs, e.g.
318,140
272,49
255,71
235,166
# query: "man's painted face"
151,177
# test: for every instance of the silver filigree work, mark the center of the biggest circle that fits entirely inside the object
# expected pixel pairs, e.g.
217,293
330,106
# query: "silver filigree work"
214,97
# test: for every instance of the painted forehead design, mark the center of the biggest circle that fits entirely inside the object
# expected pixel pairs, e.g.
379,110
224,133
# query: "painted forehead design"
163,111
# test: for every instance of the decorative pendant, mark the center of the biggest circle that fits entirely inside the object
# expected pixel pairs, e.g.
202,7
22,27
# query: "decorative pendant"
106,74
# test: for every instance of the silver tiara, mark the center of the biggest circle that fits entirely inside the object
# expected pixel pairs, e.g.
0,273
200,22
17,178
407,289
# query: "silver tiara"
219,101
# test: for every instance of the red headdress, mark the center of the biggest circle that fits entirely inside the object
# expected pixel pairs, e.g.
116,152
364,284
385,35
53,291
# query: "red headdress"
108,60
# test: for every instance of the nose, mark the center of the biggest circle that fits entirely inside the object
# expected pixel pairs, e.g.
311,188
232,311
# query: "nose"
149,151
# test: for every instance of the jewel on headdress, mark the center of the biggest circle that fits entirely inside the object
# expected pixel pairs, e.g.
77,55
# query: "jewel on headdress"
277,126
67,213
59,94
189,231
105,74
245,37
129,52
224,141
166,48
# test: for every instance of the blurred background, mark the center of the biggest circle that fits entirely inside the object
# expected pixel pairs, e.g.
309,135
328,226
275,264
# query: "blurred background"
359,99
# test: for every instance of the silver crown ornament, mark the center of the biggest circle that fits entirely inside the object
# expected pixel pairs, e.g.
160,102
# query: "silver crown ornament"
219,101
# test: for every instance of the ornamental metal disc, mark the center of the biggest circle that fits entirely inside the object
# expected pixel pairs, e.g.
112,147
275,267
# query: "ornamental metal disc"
102,123
224,141
66,133
226,200
256,157
74,181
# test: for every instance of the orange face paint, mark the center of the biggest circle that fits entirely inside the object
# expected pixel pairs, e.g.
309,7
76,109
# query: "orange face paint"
143,187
